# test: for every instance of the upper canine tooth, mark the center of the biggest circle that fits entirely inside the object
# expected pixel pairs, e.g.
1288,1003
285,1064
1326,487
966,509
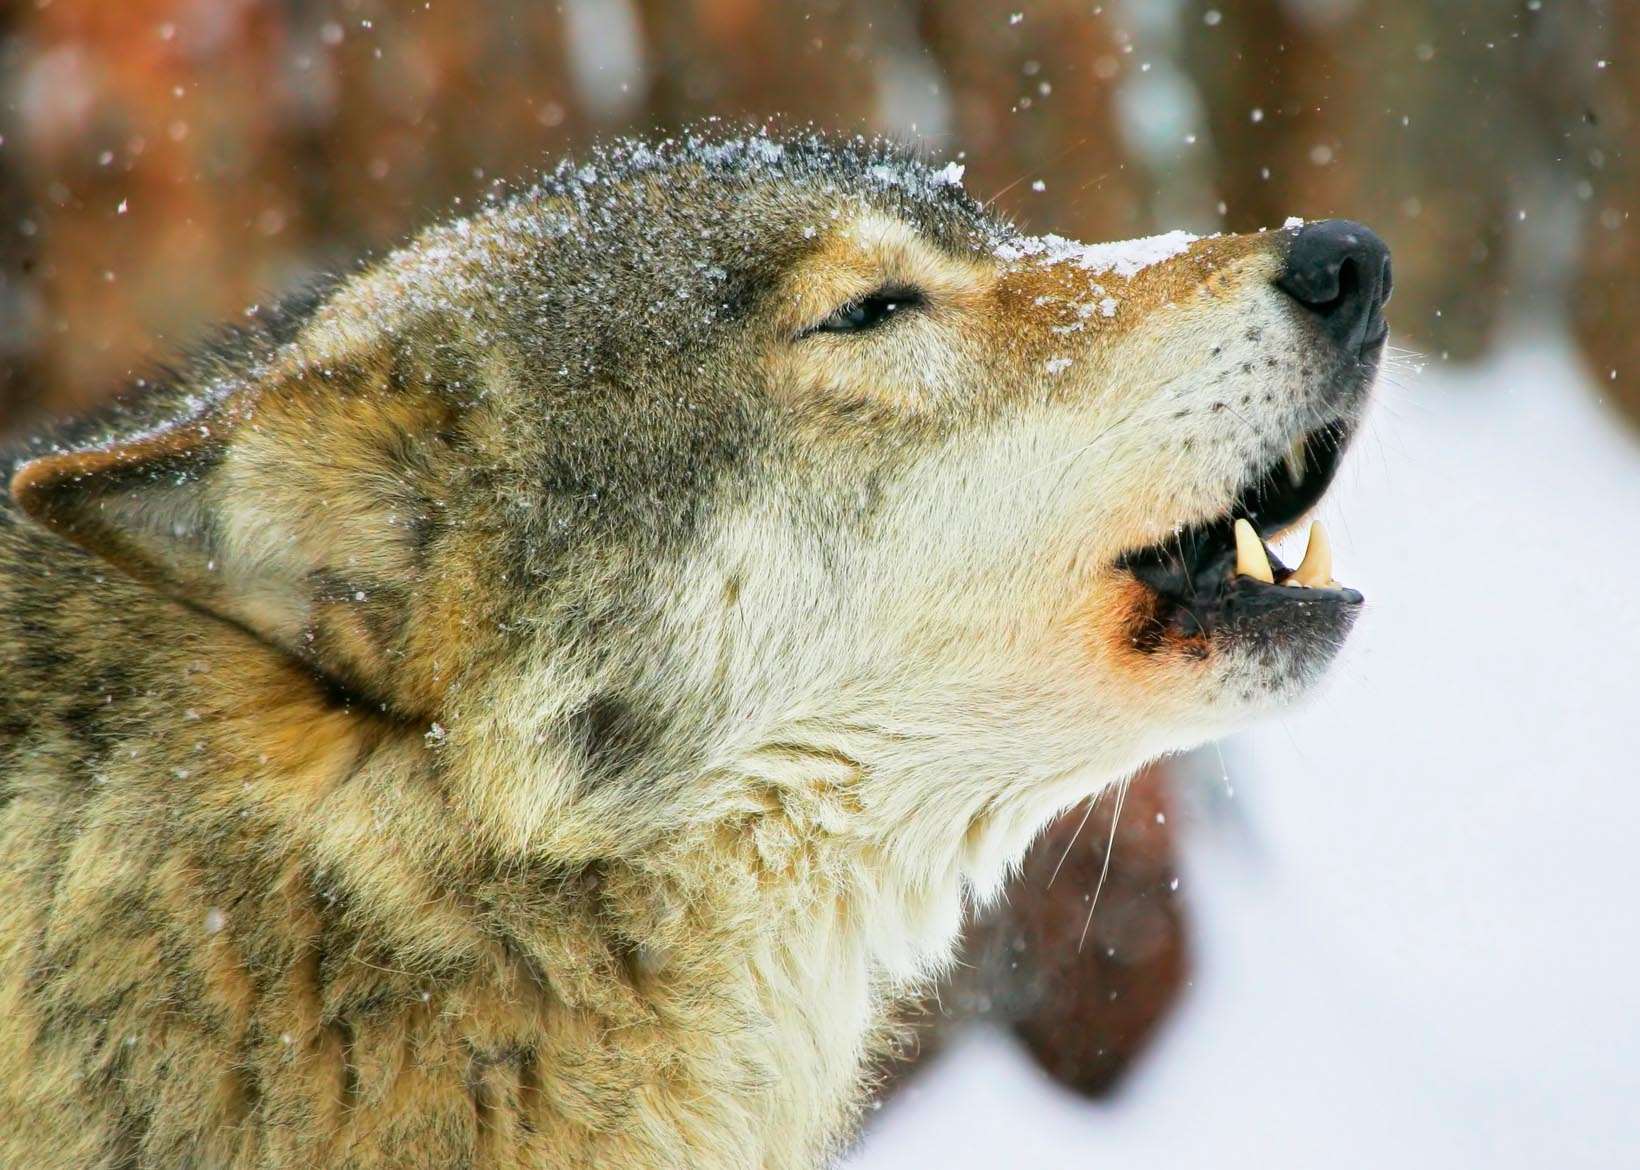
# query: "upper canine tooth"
1295,461
1250,558
1315,569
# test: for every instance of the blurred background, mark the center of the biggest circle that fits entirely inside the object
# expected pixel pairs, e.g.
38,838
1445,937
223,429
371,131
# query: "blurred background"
1394,926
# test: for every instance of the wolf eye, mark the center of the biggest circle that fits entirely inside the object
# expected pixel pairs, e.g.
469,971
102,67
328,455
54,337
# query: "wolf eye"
870,311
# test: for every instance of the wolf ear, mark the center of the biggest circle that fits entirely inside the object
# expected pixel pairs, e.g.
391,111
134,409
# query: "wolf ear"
299,511
148,505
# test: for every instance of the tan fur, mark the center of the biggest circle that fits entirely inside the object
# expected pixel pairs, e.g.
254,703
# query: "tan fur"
428,747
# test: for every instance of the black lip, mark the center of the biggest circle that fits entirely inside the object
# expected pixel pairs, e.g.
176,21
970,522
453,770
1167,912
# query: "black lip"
1193,573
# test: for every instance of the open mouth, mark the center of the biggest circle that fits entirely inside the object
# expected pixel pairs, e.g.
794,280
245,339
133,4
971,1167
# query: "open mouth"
1223,571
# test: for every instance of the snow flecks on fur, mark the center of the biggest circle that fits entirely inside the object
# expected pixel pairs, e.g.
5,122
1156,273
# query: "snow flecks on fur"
1123,258
917,179
699,266
814,157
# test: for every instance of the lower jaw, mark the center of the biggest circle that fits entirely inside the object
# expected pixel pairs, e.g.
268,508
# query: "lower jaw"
1247,602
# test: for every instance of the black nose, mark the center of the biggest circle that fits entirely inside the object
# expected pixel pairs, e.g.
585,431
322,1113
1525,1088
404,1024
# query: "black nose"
1339,270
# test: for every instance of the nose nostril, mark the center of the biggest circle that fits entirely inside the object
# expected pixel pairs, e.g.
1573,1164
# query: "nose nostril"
1346,286
1339,271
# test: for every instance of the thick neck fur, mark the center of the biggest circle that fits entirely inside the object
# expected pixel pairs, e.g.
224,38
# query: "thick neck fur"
303,915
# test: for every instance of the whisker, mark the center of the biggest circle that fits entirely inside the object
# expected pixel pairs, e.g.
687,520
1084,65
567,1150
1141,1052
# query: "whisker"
1080,826
1054,159
1104,869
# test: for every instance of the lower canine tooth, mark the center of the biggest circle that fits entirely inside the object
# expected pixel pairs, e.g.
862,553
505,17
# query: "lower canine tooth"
1250,558
1315,570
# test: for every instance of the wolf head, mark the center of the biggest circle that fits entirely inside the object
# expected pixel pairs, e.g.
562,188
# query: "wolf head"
725,475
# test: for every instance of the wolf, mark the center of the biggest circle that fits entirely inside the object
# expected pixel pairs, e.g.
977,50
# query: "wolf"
543,698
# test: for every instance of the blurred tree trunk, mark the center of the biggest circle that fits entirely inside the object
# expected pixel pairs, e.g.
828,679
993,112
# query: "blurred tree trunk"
1404,116
141,182
743,60
1033,101
1589,75
422,106
174,163
23,376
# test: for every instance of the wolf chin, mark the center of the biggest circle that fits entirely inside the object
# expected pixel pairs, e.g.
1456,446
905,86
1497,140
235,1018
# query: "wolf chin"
541,699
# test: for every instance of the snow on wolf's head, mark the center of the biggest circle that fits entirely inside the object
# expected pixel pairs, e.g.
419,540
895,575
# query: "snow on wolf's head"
714,473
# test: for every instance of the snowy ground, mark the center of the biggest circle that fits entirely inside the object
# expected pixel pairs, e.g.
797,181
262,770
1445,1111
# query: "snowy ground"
1419,938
